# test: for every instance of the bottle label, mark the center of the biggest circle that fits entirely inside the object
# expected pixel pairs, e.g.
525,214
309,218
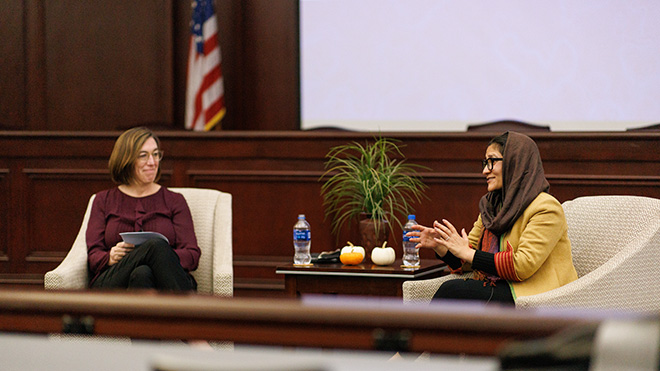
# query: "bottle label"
302,235
406,238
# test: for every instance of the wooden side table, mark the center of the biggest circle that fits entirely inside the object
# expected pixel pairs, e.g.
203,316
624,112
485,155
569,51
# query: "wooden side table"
365,279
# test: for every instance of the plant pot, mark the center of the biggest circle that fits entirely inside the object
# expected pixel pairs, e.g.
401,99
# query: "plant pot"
368,237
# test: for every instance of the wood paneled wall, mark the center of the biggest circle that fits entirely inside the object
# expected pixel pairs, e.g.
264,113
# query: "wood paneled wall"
46,179
109,65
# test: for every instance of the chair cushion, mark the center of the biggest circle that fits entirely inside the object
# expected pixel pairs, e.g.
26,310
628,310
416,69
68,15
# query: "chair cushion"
600,226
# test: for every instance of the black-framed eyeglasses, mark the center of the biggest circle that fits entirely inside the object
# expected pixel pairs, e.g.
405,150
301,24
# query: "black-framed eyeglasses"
489,162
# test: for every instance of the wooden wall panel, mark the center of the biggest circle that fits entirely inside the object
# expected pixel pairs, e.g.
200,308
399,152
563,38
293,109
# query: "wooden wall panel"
108,61
12,73
269,202
46,180
568,188
35,66
291,194
109,65
272,66
52,208
4,218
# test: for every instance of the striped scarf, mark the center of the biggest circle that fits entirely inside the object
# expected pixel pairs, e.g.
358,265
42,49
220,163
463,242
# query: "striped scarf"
489,243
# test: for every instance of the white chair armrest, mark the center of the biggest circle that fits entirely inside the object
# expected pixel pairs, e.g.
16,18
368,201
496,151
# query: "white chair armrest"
223,284
72,273
422,291
223,269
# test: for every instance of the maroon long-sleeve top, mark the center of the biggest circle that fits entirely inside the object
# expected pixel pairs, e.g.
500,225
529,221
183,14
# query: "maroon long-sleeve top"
114,212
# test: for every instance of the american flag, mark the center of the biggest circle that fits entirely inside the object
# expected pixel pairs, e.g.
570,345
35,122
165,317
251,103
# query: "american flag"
205,100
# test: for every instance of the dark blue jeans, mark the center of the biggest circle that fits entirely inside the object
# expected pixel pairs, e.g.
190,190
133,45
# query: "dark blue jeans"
152,265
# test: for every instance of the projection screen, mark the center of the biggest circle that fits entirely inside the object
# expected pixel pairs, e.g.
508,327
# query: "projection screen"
434,65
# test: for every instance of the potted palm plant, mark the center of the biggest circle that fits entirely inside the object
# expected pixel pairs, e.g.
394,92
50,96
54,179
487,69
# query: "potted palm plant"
371,182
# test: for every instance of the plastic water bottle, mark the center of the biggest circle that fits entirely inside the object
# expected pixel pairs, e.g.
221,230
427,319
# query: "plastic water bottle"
410,253
302,241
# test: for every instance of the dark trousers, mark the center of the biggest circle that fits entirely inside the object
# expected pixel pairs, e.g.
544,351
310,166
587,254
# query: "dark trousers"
152,265
460,289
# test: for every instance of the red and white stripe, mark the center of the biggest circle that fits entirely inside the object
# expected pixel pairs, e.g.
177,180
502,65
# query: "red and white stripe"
205,102
504,264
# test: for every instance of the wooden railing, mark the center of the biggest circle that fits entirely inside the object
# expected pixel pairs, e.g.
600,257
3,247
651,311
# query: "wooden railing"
316,323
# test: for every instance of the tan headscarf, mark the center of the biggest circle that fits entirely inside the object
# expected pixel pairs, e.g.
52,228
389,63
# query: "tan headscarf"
523,180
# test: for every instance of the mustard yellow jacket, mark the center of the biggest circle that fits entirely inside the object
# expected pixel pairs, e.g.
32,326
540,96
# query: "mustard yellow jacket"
539,247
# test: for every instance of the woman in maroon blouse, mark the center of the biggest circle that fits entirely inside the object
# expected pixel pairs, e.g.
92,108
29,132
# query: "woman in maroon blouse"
140,204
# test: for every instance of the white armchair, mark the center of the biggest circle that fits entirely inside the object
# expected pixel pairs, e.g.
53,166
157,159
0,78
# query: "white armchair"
616,250
212,217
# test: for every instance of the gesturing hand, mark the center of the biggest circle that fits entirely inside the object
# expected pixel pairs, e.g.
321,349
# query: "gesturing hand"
426,237
448,237
118,252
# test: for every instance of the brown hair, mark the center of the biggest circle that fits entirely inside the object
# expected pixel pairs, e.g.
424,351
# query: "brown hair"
125,153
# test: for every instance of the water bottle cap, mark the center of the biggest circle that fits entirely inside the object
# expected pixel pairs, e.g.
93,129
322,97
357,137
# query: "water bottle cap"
411,216
301,216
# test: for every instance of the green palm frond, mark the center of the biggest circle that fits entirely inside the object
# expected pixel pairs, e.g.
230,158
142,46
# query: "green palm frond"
372,178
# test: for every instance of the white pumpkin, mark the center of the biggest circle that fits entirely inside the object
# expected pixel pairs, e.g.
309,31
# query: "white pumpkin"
383,255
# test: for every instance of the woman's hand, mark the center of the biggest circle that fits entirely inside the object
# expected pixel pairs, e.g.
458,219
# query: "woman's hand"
450,239
118,252
425,237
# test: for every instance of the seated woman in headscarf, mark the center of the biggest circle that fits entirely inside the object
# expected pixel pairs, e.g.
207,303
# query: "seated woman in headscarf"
519,244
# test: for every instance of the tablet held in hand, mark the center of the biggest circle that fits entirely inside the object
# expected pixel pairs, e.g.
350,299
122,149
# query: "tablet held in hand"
138,238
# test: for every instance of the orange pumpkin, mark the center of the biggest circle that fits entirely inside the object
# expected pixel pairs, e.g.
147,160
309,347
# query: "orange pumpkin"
351,258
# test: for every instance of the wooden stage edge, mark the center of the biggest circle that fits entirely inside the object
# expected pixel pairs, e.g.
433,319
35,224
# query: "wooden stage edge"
317,322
